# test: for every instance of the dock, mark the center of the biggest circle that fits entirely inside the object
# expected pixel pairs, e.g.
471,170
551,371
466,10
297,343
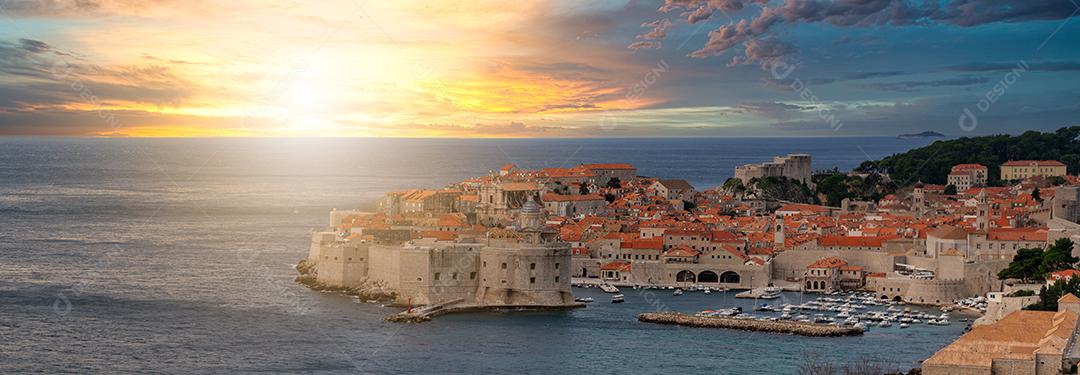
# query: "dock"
783,326
423,313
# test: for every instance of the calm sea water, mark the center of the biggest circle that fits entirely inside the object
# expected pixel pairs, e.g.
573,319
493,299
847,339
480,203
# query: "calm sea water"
176,256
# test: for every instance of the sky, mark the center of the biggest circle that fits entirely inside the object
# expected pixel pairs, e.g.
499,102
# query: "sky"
675,68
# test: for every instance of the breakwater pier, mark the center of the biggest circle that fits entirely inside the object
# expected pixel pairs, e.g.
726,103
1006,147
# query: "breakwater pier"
790,327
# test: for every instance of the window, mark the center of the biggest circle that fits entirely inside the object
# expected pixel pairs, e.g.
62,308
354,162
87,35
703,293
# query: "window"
454,276
532,280
472,275
556,266
485,263
556,279
436,276
504,267
532,266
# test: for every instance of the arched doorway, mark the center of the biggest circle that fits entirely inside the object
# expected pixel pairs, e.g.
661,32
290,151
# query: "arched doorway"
808,285
729,277
897,299
685,277
708,277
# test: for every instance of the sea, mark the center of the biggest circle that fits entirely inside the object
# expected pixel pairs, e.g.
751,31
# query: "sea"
176,256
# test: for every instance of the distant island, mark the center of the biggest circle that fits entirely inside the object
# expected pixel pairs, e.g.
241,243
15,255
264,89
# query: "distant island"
925,134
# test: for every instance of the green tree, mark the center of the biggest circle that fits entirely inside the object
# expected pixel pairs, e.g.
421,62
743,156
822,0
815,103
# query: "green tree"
583,189
1036,195
950,190
1027,266
1059,256
931,164
1048,296
614,183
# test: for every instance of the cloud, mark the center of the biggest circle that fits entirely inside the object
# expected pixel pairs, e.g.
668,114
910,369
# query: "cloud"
700,10
911,85
854,77
764,51
35,46
1048,66
644,44
659,29
863,13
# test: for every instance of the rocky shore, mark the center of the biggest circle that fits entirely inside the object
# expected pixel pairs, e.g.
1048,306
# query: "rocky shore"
367,292
804,329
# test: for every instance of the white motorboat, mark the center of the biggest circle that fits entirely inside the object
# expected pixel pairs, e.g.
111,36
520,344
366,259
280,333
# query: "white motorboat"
583,299
618,298
608,288
677,292
772,292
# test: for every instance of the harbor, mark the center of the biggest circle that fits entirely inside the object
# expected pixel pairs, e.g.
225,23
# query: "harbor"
854,310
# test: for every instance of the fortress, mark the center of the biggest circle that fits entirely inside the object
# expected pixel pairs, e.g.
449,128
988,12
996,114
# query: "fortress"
522,266
793,166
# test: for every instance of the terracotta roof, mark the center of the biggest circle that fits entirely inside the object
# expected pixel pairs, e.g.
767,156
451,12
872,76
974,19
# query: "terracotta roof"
519,186
682,251
1064,274
853,241
571,198
609,166
949,232
798,207
1068,298
828,263
676,184
1017,234
1018,336
967,167
1038,163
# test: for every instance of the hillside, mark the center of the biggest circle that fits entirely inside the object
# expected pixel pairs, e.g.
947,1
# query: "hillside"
931,164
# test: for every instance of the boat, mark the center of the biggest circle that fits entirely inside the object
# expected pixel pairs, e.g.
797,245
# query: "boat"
708,291
608,288
904,325
618,298
765,307
583,299
772,292
677,292
734,311
884,323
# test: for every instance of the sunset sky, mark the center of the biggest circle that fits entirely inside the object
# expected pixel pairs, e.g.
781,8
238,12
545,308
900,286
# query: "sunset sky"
536,68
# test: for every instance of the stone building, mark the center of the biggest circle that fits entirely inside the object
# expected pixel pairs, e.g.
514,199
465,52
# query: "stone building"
793,166
1024,169
522,266
574,205
1023,343
830,274
605,172
966,176
672,189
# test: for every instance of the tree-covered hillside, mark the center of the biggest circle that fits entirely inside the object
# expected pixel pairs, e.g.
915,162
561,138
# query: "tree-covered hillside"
931,164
